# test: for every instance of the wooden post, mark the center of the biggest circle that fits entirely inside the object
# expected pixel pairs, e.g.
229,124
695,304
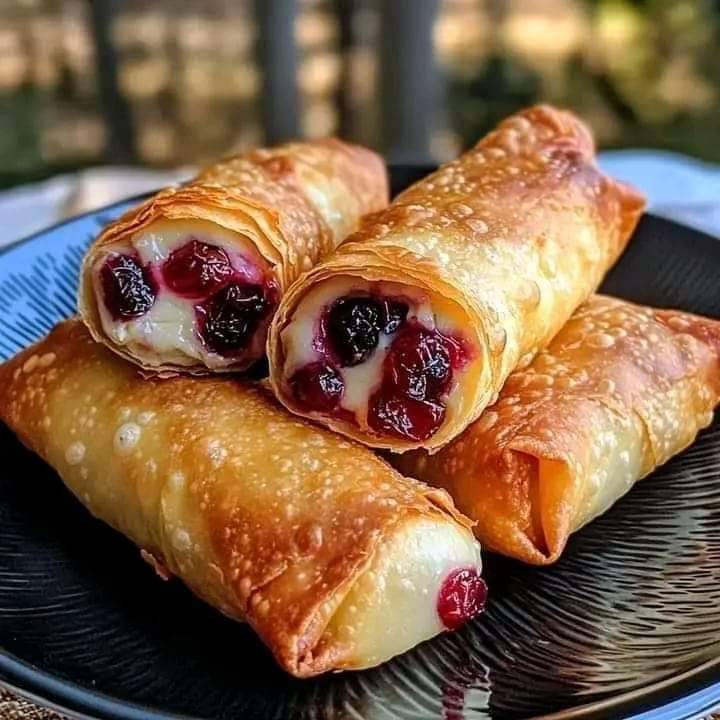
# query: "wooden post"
120,145
277,54
408,77
344,13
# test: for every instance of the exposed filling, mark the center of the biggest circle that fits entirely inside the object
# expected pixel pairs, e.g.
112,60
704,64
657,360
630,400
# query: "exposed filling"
128,287
400,603
379,358
461,597
188,292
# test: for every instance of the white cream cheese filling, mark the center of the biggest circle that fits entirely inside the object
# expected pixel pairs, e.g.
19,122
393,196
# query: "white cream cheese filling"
166,334
393,605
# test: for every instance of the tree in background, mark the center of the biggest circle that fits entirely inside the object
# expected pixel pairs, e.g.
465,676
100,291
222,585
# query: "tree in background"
645,72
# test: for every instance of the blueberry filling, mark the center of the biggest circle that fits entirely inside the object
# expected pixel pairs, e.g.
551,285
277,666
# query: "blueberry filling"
417,369
462,596
128,287
354,325
405,417
227,321
196,269
317,387
419,364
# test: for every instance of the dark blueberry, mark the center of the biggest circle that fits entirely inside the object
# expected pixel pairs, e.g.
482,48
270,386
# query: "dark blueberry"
317,387
405,417
196,269
128,288
393,315
228,320
419,364
354,328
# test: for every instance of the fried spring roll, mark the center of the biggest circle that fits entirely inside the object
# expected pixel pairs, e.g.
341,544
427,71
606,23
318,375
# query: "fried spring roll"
333,558
403,336
618,392
190,279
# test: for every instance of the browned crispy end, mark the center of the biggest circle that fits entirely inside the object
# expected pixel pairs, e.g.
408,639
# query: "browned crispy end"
619,391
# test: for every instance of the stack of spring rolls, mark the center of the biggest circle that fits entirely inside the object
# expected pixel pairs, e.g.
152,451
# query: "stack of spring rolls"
456,327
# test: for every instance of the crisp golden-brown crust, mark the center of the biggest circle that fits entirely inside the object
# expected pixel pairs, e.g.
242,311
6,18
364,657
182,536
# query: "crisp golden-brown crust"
295,203
508,239
619,391
268,518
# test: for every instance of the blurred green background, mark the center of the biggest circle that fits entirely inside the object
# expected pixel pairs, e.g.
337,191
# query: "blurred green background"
164,83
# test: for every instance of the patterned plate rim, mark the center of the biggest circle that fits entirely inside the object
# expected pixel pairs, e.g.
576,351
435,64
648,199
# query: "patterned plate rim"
67,697
659,699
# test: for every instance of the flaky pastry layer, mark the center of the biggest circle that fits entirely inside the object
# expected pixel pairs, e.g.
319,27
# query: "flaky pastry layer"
333,558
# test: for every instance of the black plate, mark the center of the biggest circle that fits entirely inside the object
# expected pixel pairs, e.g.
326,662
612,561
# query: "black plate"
628,622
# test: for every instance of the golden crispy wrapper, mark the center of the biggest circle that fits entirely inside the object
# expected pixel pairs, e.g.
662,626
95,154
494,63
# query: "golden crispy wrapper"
618,392
507,241
313,540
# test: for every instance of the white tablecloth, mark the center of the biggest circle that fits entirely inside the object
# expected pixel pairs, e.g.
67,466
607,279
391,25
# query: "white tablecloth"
29,208
677,187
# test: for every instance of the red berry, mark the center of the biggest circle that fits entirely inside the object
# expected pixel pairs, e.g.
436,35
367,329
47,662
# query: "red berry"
404,417
129,290
419,364
317,387
196,269
462,597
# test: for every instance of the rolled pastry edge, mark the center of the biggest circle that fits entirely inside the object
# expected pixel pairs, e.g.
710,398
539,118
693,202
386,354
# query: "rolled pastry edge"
619,392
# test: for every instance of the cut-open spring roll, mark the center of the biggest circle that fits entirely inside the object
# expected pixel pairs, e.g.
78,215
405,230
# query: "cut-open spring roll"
190,279
335,559
619,391
403,336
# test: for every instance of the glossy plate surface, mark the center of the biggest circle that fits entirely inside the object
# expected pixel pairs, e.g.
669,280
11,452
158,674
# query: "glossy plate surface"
626,624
